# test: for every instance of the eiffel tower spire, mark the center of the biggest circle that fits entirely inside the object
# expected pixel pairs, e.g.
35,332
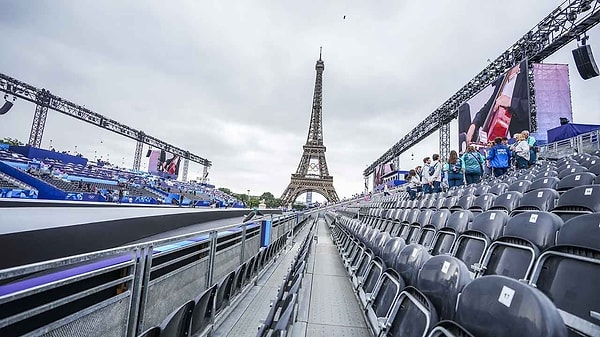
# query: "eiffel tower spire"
312,174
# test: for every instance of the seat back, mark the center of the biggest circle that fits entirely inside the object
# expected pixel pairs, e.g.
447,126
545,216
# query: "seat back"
545,182
464,202
574,180
483,202
385,293
441,279
392,249
495,306
413,314
542,199
498,189
179,322
438,220
545,174
507,201
203,312
569,273
445,236
374,271
409,262
380,242
578,200
525,236
520,186
224,291
449,202
571,170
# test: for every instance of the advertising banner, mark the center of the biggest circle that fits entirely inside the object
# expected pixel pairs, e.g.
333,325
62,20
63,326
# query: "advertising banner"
552,96
163,164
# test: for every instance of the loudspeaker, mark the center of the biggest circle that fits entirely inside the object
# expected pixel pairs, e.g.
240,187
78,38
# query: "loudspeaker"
584,59
148,153
4,109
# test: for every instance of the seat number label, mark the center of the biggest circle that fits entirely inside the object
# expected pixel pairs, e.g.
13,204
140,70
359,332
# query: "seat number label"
506,296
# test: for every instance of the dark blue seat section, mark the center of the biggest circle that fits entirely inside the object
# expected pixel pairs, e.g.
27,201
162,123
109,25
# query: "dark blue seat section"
577,201
50,277
507,201
574,180
503,307
542,199
569,273
525,236
178,323
409,262
392,250
438,220
472,244
445,236
441,279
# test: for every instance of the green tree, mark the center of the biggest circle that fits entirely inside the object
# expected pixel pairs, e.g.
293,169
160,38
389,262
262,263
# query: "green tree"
11,141
225,190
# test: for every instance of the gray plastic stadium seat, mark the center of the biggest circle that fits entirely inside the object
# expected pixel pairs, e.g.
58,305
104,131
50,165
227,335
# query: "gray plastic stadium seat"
545,174
372,275
437,221
495,306
483,203
202,315
569,273
545,182
507,201
444,238
380,242
471,245
409,262
498,188
577,201
413,315
179,322
515,252
441,279
520,186
481,189
542,199
379,306
224,291
359,272
415,228
464,202
574,180
571,170
392,249
595,169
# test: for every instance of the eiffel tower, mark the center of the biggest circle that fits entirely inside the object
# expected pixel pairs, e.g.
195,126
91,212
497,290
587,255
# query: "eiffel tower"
312,174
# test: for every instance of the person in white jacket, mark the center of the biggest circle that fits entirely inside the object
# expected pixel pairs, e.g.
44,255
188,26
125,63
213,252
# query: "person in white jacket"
521,151
425,175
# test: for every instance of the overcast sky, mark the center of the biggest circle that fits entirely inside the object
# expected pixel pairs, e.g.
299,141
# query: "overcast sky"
232,81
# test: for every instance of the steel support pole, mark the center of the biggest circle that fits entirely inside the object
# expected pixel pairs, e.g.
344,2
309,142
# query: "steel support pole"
137,157
186,166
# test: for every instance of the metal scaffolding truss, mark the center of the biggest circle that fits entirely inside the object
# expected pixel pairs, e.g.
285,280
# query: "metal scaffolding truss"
44,100
566,23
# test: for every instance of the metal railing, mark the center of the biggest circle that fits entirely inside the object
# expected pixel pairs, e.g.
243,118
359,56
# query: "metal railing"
587,142
125,290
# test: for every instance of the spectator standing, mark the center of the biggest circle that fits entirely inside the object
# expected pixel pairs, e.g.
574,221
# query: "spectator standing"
425,175
531,142
521,151
386,190
413,184
472,163
435,174
454,167
499,157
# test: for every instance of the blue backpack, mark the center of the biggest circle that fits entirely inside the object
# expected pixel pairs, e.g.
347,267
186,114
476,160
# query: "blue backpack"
456,167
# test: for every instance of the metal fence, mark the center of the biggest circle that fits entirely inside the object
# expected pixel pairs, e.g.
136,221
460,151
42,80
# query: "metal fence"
125,290
587,142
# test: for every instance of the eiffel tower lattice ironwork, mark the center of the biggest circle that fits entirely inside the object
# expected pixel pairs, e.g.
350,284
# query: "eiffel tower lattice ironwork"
312,174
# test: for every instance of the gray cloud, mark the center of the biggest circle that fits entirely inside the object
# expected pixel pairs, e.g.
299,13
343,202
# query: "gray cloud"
233,81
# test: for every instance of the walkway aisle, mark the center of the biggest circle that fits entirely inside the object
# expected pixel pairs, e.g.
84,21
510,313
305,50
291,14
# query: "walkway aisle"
245,319
327,304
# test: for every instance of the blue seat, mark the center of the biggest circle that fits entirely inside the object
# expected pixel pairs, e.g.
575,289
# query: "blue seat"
472,244
569,274
577,201
385,294
441,279
444,238
409,262
515,252
437,221
503,307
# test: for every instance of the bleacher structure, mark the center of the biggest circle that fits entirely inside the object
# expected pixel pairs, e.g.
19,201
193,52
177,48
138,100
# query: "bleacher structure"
177,286
517,255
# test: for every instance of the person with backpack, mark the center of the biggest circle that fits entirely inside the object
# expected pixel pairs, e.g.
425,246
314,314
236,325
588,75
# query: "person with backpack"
413,184
454,168
499,157
425,175
435,174
472,165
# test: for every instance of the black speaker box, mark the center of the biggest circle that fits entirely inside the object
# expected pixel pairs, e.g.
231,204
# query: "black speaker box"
148,153
584,59
4,109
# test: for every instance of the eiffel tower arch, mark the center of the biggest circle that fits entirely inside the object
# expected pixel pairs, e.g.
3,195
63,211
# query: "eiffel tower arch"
312,174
